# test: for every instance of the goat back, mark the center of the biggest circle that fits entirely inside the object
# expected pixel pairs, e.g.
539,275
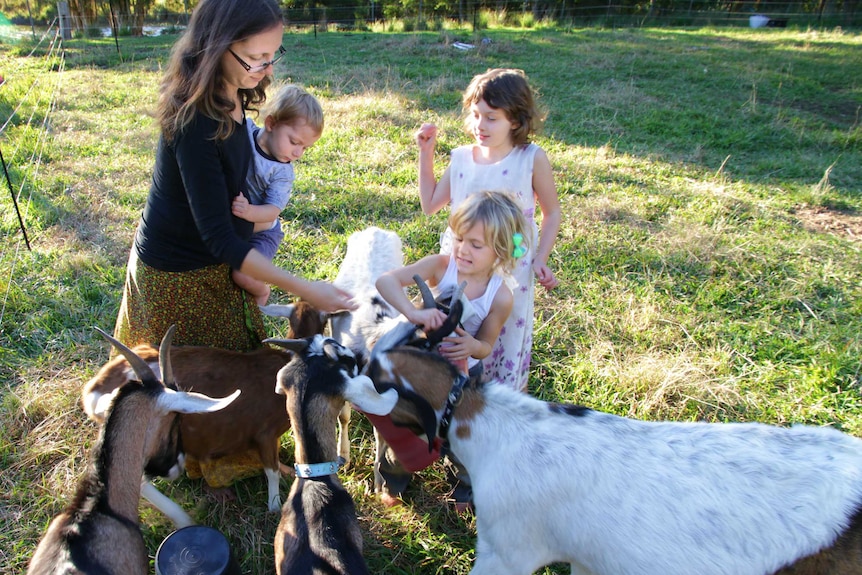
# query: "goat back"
318,531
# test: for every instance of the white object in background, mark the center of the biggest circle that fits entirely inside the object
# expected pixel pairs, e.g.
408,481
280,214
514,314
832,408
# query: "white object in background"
758,21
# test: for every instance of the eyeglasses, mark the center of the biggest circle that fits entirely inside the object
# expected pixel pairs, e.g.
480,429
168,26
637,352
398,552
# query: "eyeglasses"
260,67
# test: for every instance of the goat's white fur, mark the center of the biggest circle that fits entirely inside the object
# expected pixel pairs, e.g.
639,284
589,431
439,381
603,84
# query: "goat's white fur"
617,496
370,253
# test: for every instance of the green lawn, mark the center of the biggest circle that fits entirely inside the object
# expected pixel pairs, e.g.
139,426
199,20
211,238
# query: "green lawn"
709,258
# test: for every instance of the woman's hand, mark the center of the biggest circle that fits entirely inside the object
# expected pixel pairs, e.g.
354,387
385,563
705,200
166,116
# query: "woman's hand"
326,297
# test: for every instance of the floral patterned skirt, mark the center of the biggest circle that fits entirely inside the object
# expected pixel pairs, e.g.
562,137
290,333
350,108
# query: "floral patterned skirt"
207,307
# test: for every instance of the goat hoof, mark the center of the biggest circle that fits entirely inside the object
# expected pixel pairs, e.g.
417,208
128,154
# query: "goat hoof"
390,501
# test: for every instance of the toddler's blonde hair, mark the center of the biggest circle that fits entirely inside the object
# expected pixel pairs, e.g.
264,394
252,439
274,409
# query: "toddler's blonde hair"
502,217
292,103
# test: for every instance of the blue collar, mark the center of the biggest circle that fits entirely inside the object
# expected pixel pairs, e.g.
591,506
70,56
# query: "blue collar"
451,403
311,470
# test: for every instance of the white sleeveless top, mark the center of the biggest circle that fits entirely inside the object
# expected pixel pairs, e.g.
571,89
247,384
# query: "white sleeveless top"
481,306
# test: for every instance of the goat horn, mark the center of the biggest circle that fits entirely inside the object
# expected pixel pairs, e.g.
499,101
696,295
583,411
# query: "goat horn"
427,297
456,310
165,357
139,366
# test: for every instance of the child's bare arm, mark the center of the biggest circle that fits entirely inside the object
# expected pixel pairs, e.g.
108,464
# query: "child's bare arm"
264,213
391,286
546,194
463,345
433,194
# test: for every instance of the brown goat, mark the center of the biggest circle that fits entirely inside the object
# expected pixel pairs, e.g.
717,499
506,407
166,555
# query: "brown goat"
254,424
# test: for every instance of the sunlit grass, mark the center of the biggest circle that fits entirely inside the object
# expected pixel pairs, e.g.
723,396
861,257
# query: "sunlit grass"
696,282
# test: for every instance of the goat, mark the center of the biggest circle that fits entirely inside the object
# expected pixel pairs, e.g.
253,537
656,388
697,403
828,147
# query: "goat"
617,496
370,253
318,531
254,423
98,532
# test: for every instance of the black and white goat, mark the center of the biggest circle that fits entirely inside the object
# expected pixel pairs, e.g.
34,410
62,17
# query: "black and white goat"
98,532
318,531
370,253
254,423
617,496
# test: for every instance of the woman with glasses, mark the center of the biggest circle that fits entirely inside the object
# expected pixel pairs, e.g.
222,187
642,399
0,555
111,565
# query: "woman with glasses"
188,241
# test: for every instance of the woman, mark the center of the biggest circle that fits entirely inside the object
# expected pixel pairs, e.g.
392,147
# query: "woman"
187,242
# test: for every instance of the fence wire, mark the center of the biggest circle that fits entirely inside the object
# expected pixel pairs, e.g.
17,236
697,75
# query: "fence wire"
31,112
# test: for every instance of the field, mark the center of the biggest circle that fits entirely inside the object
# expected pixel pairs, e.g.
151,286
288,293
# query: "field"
709,258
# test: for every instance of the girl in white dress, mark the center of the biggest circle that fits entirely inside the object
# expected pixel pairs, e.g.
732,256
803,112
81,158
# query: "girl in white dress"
501,115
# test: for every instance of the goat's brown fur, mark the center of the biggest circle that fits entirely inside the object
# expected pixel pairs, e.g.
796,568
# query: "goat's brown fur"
101,527
253,423
844,557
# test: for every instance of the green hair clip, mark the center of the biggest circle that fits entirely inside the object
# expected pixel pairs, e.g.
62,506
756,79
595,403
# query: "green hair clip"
520,250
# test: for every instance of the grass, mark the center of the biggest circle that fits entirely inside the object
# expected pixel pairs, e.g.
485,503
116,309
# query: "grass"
711,181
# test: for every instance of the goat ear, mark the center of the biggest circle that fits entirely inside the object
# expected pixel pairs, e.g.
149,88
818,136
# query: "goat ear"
361,392
193,402
403,332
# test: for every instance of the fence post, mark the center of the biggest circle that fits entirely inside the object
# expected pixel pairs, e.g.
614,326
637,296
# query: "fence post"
65,20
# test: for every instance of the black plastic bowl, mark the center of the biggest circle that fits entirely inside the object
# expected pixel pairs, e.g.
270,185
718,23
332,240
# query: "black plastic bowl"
196,550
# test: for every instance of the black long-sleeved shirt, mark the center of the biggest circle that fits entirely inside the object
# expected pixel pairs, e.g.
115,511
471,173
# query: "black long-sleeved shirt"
187,222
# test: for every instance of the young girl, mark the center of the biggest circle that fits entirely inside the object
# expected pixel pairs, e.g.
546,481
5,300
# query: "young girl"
293,122
488,231
501,115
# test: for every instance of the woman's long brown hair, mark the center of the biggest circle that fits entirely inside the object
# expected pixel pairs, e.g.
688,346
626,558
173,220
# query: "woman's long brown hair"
193,79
